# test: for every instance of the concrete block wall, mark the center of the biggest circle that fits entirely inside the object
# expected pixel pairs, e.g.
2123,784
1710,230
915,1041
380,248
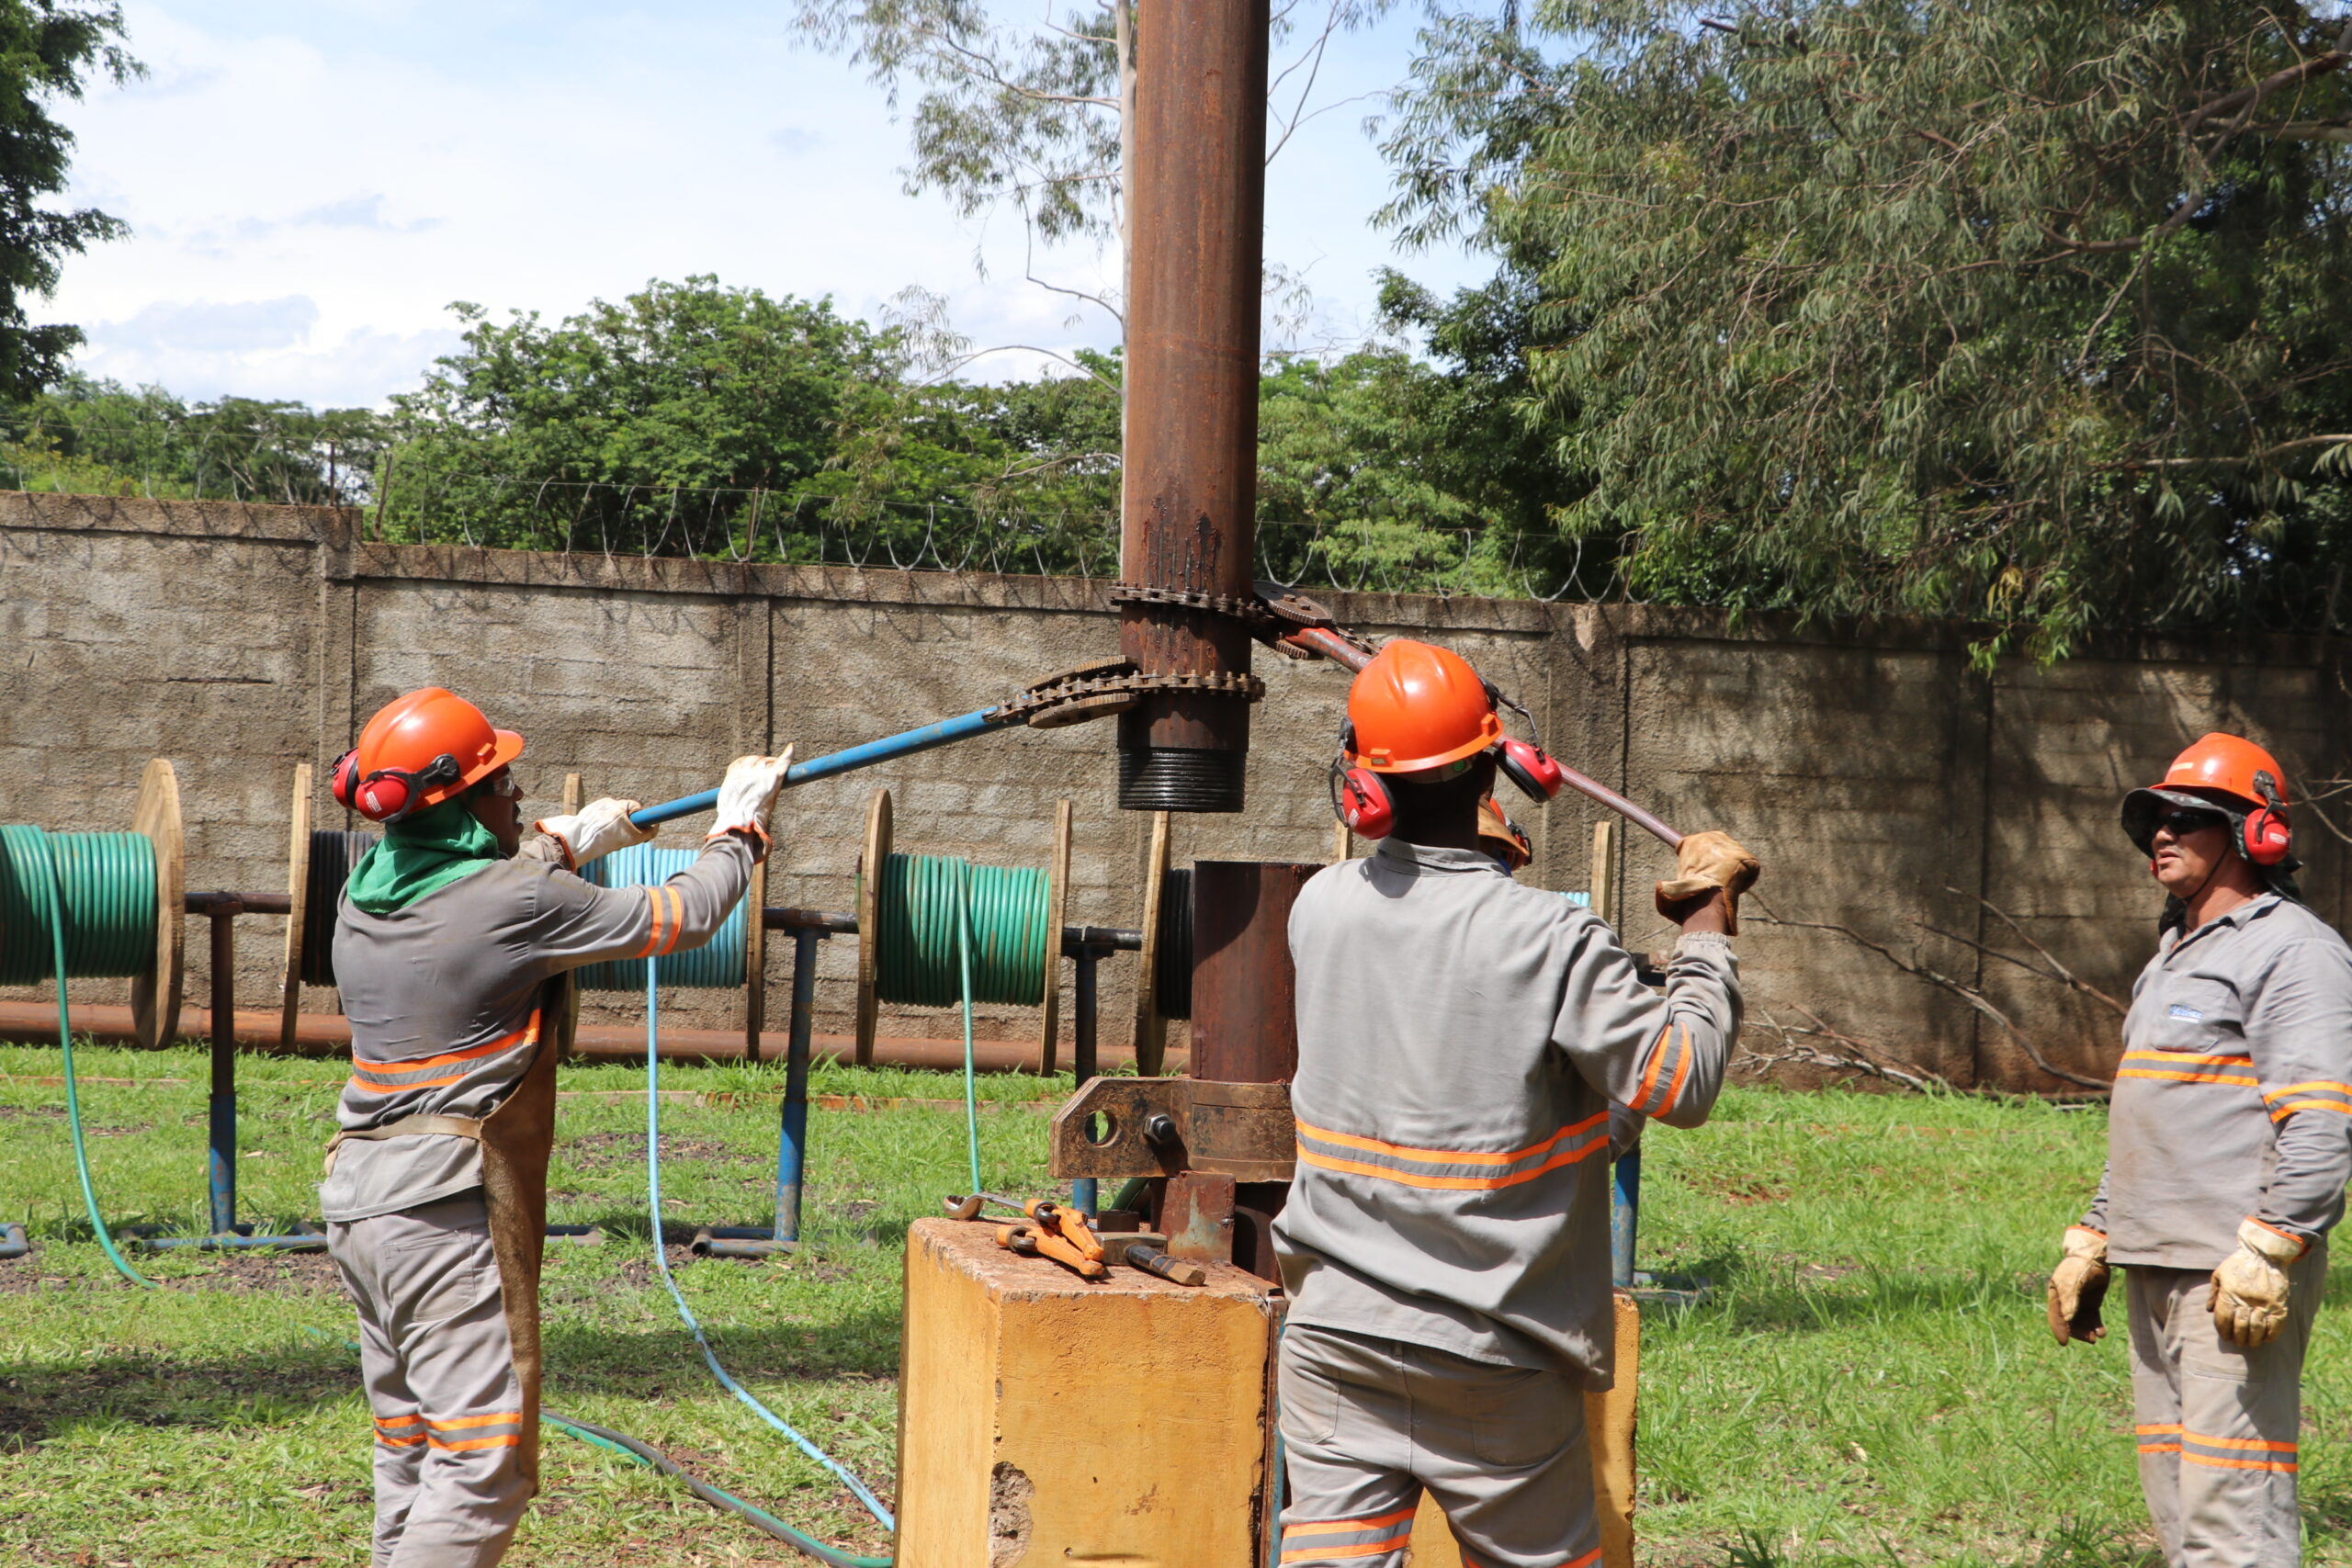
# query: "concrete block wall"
1888,786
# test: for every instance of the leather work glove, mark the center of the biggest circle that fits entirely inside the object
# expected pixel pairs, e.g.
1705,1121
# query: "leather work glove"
1707,862
2250,1287
2078,1287
595,830
748,793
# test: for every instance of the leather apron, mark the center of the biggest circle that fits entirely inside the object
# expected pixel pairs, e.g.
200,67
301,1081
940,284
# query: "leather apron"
516,1140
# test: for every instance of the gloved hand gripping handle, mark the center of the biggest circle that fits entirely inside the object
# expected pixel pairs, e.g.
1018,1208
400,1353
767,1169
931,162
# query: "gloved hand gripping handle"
889,749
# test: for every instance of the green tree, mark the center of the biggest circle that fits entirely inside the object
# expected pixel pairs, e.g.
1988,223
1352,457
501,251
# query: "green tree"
674,422
2027,310
48,48
95,435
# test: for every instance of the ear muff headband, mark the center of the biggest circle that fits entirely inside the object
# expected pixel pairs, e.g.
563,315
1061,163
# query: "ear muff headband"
2266,837
388,794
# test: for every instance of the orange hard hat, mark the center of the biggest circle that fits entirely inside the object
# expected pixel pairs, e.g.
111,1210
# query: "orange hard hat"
2227,772
1416,707
436,744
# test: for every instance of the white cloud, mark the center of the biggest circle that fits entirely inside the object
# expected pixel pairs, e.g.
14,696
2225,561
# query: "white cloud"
378,159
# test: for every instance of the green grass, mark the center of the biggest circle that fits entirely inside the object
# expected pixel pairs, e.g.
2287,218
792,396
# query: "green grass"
1869,1382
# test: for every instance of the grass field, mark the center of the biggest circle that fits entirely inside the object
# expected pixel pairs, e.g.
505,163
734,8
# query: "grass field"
1870,1381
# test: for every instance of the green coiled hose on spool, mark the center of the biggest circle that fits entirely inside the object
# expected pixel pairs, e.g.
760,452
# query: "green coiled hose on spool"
76,905
916,954
107,881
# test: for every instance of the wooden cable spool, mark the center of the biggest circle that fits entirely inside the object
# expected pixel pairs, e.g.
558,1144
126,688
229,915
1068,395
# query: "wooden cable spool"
1151,1024
155,991
876,854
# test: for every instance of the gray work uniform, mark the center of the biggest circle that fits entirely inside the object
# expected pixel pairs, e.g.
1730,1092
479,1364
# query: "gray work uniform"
1460,1041
448,1000
2234,1101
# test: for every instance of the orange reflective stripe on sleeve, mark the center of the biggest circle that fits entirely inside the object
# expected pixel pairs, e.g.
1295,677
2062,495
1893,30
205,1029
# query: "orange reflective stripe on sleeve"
1681,1072
677,916
2319,1095
653,940
1657,1063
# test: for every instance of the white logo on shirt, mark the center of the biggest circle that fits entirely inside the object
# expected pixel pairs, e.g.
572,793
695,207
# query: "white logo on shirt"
2186,1014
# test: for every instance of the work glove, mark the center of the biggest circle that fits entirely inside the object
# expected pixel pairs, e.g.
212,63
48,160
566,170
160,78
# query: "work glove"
1708,863
2250,1287
595,830
748,793
2078,1287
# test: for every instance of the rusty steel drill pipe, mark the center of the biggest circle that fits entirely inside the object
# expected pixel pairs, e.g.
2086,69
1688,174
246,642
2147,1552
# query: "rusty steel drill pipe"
1331,644
1188,501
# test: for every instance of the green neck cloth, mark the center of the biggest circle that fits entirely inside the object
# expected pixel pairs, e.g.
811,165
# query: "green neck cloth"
421,854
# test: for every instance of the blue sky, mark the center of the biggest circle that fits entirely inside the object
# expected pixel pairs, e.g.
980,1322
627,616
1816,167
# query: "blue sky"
310,185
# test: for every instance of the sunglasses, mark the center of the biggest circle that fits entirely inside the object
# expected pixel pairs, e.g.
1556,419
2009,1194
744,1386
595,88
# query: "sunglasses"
2182,822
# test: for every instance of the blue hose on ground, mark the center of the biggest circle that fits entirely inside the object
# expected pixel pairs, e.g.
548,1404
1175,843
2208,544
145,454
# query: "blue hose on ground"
661,1261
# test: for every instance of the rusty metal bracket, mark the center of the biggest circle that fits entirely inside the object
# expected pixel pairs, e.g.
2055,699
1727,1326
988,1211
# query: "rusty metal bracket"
1164,1126
1198,1217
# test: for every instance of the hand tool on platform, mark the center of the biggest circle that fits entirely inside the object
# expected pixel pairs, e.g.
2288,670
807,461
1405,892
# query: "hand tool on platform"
960,1208
1024,1242
1070,1224
1151,1260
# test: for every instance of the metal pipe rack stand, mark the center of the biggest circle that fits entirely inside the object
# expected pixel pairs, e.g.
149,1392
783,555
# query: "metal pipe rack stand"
224,1232
1088,945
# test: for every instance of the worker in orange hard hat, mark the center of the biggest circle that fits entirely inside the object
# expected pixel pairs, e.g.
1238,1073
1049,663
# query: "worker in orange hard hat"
2229,1144
1460,1039
451,937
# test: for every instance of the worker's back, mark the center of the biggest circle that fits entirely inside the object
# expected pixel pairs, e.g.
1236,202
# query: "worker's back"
1460,1040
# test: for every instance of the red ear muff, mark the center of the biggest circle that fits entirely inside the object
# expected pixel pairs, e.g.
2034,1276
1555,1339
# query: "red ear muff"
343,777
1364,803
2268,838
384,797
1531,768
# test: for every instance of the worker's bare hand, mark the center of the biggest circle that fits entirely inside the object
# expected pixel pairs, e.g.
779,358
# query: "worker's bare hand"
1711,871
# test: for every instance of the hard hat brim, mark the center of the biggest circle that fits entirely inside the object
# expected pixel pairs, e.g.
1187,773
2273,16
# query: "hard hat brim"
509,747
1490,732
2142,808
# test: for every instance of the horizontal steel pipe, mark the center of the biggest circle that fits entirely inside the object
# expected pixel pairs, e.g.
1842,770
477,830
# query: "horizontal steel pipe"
887,750
323,1037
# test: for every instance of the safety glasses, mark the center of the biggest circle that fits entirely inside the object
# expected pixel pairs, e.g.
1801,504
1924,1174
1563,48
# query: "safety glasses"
2184,821
504,785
